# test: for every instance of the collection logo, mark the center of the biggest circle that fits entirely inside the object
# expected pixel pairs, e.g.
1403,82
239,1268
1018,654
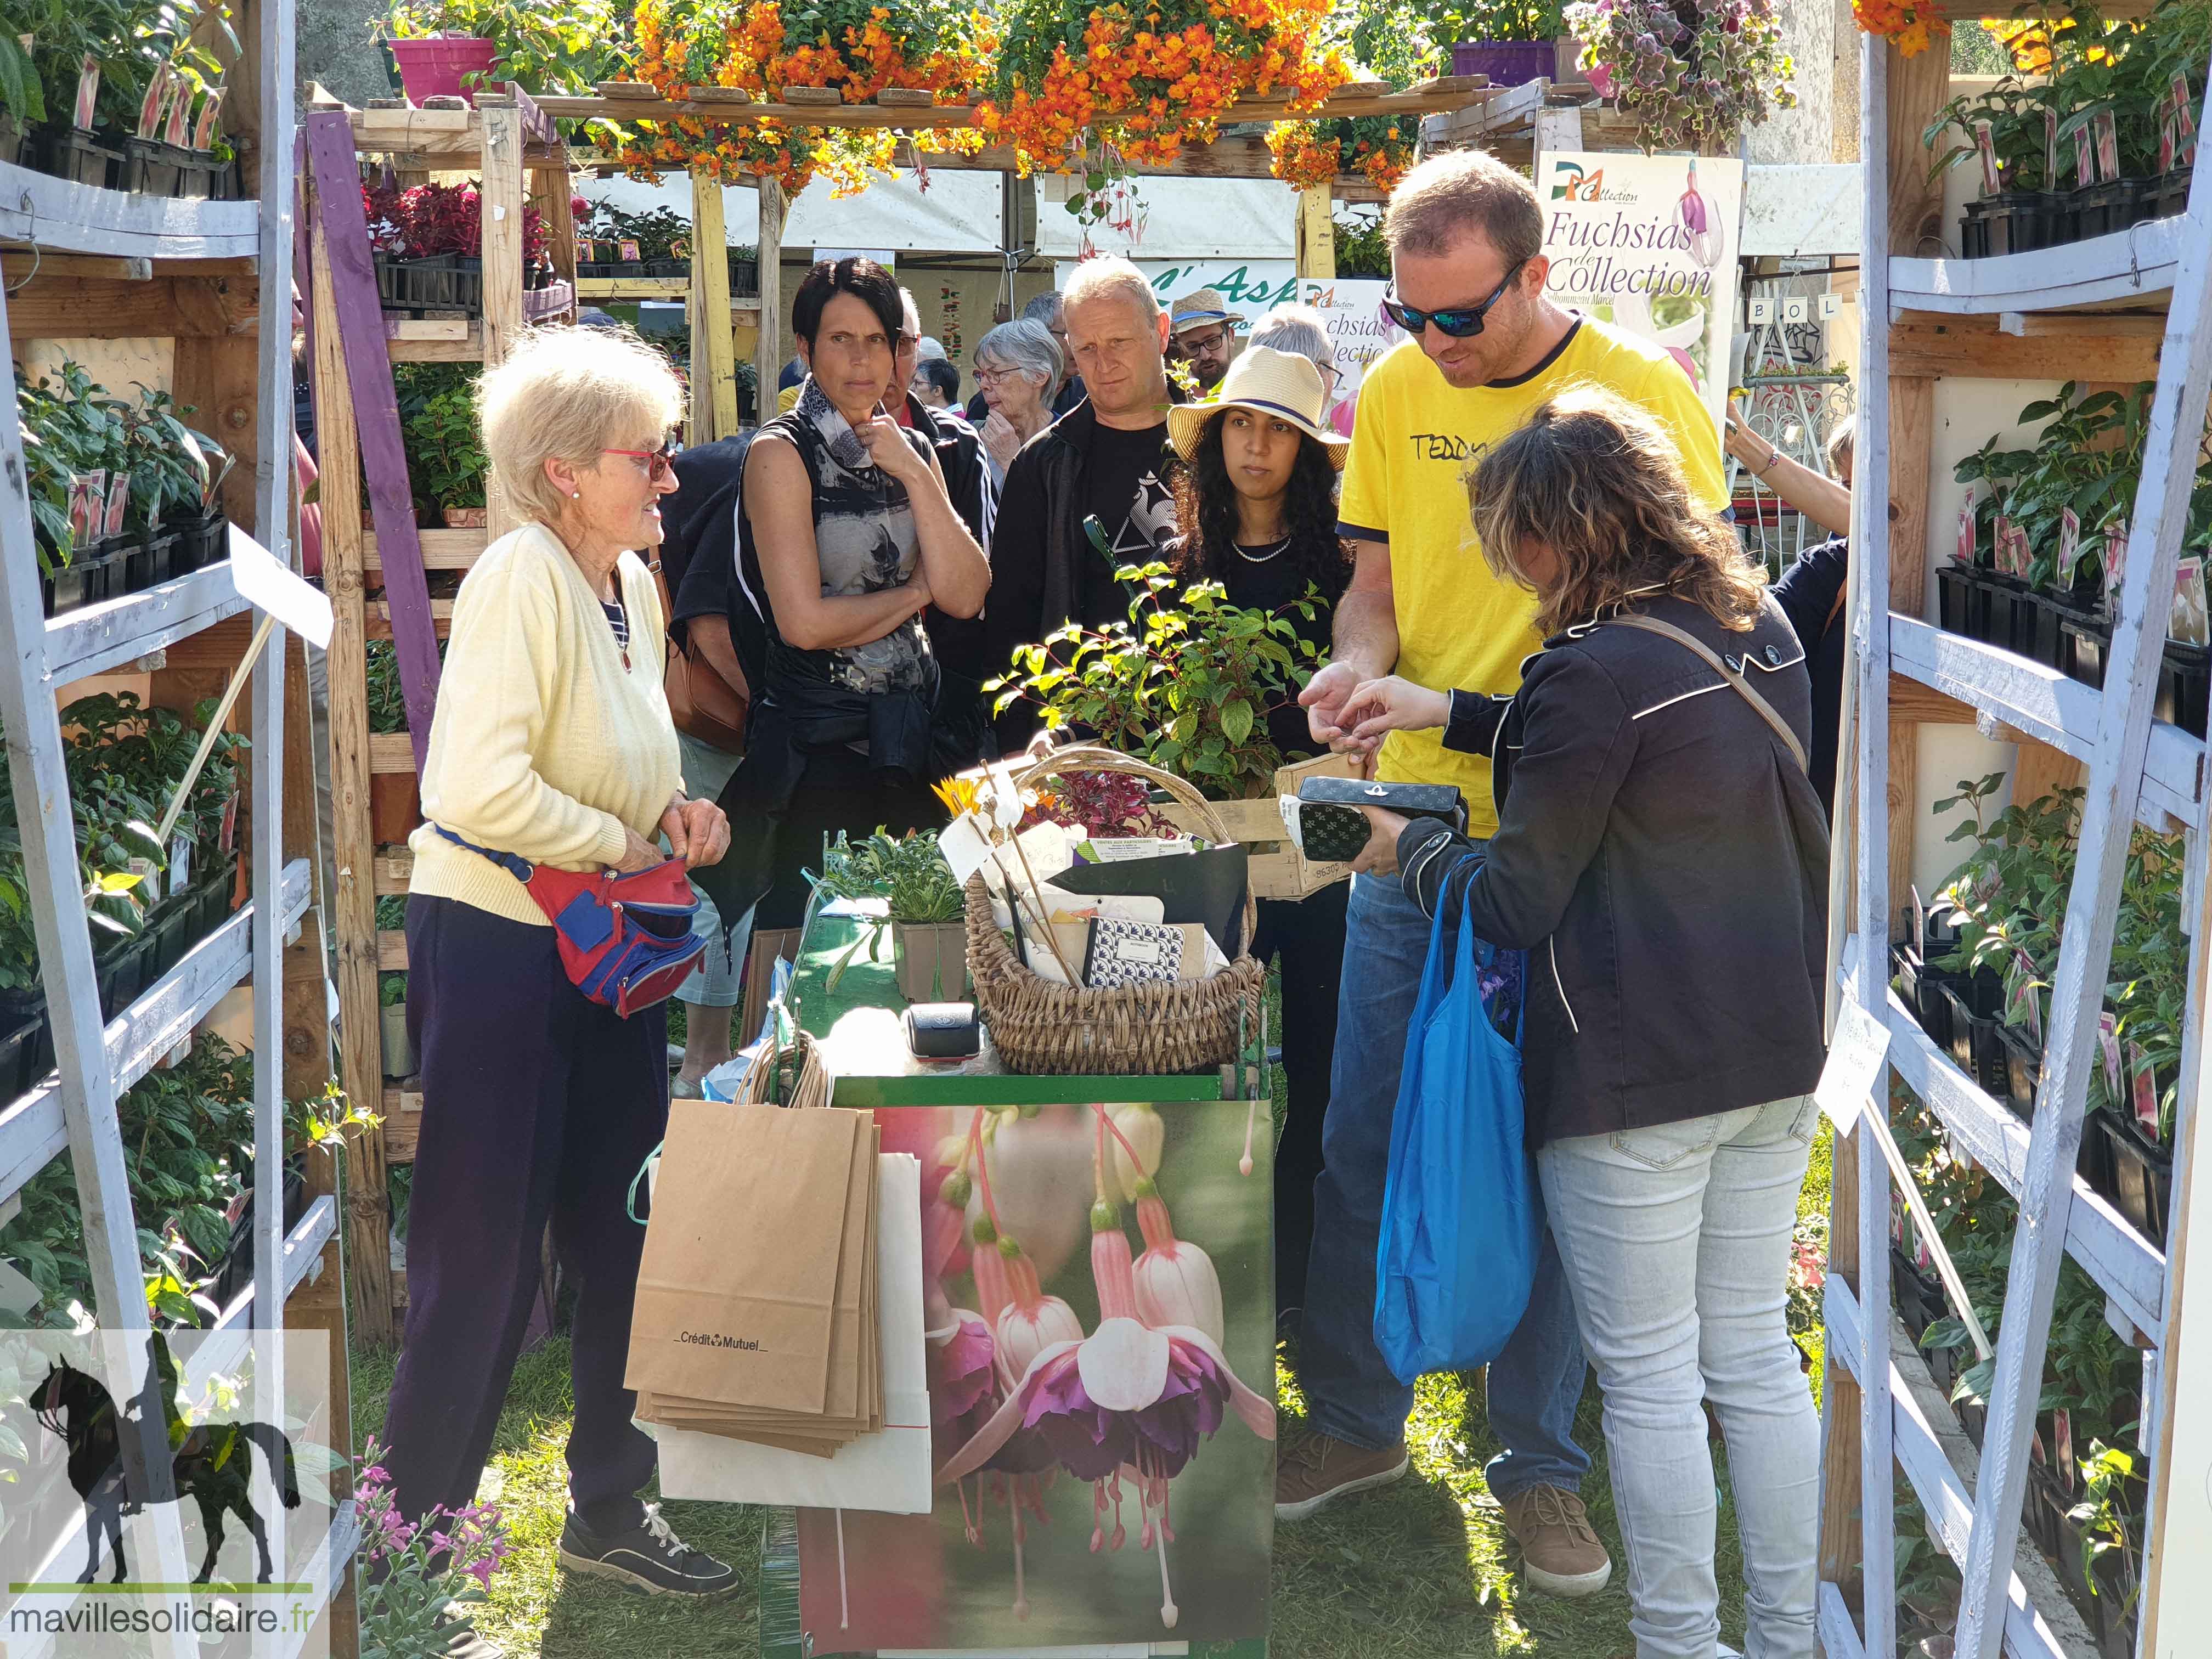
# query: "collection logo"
1571,184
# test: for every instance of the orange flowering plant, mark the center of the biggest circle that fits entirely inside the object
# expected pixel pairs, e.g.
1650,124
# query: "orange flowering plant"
1911,24
1100,91
1393,41
860,47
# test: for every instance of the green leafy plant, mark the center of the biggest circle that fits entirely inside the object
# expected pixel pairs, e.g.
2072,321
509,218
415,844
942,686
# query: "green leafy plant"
445,451
1500,19
1187,683
661,233
391,990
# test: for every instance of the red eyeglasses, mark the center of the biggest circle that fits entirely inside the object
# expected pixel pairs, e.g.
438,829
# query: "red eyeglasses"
659,463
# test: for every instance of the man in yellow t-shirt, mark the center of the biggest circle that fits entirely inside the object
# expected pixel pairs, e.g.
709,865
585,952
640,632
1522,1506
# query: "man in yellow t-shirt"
1466,237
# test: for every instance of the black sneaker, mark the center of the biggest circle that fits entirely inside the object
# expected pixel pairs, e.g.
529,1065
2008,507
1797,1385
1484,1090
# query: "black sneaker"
648,1556
463,1641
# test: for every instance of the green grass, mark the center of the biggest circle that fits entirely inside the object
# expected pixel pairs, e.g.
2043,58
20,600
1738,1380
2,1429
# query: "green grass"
1420,1569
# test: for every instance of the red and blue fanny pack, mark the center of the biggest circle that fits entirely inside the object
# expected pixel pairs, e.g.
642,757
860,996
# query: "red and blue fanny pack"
626,940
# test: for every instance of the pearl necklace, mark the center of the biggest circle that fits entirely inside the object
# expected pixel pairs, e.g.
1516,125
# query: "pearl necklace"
1263,558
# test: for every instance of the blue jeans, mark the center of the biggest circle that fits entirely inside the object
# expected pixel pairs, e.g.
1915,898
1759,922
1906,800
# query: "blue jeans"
1536,1383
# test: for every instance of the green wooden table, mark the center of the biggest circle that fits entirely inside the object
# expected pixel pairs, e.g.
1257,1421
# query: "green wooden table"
921,1582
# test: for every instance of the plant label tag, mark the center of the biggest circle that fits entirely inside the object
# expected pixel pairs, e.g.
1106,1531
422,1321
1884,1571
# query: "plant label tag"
178,128
2085,167
81,509
1985,147
2108,1046
180,863
119,502
680,248
150,106
1963,551
2185,121
227,837
2142,1084
1919,924
2021,558
2050,146
1854,1066
149,880
2116,561
268,586
2069,542
204,129
2166,143
2189,625
2108,147
2062,1436
2001,545
628,253
88,92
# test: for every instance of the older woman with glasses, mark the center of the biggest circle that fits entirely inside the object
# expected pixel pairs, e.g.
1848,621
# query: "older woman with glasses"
1019,366
551,744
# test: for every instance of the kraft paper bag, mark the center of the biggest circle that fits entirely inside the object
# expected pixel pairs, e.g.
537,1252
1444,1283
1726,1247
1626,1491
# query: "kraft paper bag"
888,1471
737,1289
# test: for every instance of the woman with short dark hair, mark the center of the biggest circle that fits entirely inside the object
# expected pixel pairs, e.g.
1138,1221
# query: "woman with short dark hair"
1662,856
847,514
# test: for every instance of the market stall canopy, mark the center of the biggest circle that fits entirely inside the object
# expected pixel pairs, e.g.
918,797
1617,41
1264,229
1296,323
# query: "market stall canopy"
1168,218
957,213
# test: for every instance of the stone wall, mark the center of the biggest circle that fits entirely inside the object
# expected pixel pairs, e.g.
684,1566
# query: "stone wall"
336,48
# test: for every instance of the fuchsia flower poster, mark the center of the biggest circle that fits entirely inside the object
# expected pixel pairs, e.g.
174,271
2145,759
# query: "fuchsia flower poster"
1099,1298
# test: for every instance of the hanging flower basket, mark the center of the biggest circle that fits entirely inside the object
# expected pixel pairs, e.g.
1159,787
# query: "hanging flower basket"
845,47
1100,92
1693,73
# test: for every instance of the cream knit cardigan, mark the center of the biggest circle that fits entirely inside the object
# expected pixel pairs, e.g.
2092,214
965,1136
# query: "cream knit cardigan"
544,744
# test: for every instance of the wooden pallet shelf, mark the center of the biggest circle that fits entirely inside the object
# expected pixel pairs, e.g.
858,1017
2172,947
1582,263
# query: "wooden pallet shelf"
56,215
2131,267
109,634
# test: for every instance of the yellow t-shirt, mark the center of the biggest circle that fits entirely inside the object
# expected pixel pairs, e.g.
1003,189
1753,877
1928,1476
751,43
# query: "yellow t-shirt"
1415,439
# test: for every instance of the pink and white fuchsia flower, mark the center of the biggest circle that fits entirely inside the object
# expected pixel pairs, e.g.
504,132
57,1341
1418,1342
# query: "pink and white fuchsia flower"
1132,1401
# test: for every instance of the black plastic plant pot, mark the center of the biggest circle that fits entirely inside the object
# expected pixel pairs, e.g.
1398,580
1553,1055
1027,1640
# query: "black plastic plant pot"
628,268
223,184
151,167
594,270
1954,597
69,153
1975,1044
2088,644
198,173
2142,1178
2023,1058
199,541
134,566
19,1041
2096,204
162,544
668,267
12,140
2169,193
2094,1163
83,582
428,282
744,278
1974,230
2184,685
468,289
388,279
2062,222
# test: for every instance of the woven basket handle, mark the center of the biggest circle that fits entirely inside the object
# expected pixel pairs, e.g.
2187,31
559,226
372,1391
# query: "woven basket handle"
1090,757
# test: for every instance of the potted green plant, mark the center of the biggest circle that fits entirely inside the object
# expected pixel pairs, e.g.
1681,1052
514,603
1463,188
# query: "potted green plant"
1691,73
458,47
444,456
923,909
392,1024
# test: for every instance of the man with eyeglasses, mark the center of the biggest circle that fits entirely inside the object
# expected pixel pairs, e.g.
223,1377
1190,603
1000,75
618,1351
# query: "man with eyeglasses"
1466,235
1204,336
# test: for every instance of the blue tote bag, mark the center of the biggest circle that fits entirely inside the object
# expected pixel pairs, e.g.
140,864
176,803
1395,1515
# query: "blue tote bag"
1463,1216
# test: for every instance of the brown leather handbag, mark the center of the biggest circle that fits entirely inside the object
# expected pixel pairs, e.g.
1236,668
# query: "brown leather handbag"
700,702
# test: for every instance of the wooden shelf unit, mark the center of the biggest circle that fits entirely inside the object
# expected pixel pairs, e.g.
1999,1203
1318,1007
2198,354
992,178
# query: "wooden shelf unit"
2134,301
84,263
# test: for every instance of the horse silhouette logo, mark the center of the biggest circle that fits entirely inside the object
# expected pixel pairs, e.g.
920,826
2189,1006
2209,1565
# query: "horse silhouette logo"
208,1460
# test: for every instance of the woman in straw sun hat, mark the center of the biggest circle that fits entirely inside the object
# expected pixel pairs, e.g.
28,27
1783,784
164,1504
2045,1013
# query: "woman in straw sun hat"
1256,503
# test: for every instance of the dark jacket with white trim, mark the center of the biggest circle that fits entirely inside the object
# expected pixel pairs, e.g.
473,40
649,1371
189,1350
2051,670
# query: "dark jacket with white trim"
1662,858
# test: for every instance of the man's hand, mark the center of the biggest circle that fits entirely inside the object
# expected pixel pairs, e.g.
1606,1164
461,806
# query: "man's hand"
1324,700
1393,704
889,449
1380,856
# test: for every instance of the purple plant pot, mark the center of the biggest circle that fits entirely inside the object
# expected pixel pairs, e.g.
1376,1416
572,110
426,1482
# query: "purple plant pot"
1507,62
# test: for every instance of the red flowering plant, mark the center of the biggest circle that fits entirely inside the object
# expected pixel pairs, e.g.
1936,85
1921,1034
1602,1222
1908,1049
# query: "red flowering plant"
435,219
1101,92
858,47
1391,41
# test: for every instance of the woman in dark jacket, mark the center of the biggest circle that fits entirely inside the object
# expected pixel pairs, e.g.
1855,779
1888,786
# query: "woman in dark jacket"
1662,856
1257,503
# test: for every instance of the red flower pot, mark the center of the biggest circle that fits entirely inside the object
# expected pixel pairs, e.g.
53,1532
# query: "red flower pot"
436,67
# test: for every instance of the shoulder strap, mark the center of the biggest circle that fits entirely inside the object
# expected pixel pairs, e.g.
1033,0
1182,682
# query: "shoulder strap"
1691,643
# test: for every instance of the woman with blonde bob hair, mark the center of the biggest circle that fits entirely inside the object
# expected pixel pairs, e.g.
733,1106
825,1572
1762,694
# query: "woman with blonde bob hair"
551,745
1661,857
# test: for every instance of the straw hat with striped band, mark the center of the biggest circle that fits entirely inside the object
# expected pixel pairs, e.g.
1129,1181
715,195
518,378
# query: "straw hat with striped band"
1279,384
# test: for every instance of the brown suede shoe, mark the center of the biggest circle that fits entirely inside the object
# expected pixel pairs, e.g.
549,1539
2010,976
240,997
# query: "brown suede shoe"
1560,1555
1311,1468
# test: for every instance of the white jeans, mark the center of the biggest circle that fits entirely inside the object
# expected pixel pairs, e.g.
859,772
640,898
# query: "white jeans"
1676,1241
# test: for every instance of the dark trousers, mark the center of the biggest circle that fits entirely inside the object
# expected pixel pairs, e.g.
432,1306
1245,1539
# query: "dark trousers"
537,1105
1309,935
839,791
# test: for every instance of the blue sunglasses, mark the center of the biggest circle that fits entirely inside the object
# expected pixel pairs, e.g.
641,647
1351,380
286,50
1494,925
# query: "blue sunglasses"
1460,322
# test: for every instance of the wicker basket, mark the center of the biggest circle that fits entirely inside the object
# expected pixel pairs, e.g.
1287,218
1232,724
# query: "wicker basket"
1182,1025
